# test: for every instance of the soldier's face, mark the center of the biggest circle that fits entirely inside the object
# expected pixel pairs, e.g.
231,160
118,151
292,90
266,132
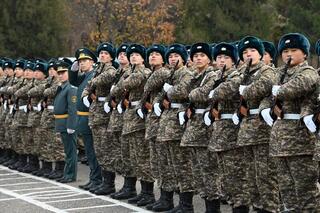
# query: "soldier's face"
9,71
52,72
200,60
39,75
63,76
222,60
251,53
18,71
28,74
104,57
123,59
85,65
173,58
1,71
267,58
155,59
297,56
136,58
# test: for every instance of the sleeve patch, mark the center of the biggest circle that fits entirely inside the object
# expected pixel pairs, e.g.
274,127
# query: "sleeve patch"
74,99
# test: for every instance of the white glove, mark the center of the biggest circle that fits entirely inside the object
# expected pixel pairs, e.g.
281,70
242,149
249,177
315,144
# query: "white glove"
25,108
86,101
70,131
265,113
10,109
309,123
275,90
181,117
39,106
140,113
241,89
211,94
112,87
207,120
166,87
75,66
106,107
5,105
119,108
235,119
157,110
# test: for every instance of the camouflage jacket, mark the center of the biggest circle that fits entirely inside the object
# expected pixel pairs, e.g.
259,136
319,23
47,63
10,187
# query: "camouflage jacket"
226,96
253,130
196,132
152,94
35,95
116,93
169,127
47,120
101,83
133,84
17,83
291,137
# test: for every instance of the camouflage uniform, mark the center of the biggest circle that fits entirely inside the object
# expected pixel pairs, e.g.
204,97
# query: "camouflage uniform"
3,82
170,133
196,136
134,127
98,119
51,149
254,136
293,144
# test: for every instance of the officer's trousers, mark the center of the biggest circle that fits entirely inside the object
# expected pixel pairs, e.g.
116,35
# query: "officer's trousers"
70,150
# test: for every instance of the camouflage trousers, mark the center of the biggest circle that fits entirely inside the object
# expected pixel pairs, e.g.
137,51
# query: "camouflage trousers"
297,177
262,177
233,172
38,139
140,154
181,160
51,148
129,163
2,136
154,158
206,172
16,141
111,156
26,134
99,140
167,177
8,136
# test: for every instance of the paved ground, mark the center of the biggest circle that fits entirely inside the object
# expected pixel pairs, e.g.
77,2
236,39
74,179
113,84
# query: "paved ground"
24,193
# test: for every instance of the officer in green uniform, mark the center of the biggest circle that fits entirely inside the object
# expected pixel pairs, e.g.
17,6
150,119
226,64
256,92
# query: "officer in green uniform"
65,113
80,73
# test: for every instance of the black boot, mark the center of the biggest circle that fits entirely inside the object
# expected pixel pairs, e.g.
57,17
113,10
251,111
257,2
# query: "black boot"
148,196
46,168
108,184
12,160
212,206
5,156
241,209
185,203
58,171
129,191
151,205
20,163
135,199
165,203
33,164
263,211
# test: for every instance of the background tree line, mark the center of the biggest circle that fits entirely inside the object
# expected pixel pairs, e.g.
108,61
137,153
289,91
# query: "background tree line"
46,28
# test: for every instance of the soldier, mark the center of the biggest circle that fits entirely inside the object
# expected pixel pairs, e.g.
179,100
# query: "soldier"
151,94
196,134
116,121
94,97
133,130
3,80
254,134
52,149
270,54
291,143
176,90
65,114
84,64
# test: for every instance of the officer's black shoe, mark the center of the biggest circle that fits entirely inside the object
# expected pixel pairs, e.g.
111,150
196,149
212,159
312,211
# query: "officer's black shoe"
212,206
86,186
94,187
129,191
165,203
148,196
241,209
66,180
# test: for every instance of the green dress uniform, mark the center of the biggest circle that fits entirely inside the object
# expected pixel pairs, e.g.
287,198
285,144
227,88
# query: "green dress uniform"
65,113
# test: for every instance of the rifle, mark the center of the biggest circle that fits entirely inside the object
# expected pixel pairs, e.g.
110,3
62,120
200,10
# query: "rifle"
276,110
243,108
146,106
165,103
16,103
2,95
125,103
92,88
214,111
45,99
29,106
112,100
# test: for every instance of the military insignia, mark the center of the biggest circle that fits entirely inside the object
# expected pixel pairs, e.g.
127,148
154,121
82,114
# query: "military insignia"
199,47
133,48
6,64
287,41
171,48
82,55
74,99
155,46
105,45
37,66
246,42
81,49
124,47
223,49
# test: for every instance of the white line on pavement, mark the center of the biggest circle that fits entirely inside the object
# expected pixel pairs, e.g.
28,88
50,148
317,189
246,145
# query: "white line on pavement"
32,189
75,199
16,178
18,184
6,199
46,192
90,207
